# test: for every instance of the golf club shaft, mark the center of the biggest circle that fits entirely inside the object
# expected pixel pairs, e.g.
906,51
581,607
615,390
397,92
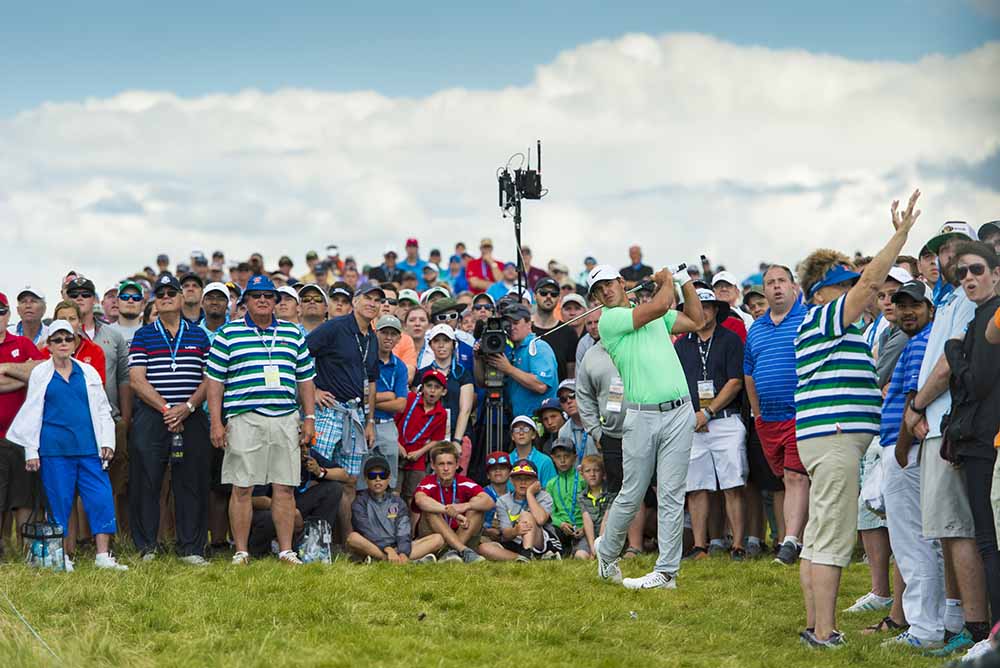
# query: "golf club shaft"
647,285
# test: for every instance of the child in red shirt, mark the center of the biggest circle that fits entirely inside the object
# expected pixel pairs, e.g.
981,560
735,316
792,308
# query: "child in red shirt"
421,424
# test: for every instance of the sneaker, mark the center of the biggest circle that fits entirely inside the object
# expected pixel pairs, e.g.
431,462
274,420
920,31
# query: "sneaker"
426,559
289,557
737,554
981,648
907,639
107,560
788,554
451,555
715,549
550,556
606,570
522,559
194,560
67,563
149,556
469,556
654,580
870,602
754,550
241,558
805,633
835,641
695,553
953,642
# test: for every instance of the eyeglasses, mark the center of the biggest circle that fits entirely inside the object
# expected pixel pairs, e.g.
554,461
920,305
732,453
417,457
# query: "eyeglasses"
547,293
129,297
482,307
445,317
56,340
377,475
566,397
269,296
977,269
521,430
312,300
75,294
493,461
168,293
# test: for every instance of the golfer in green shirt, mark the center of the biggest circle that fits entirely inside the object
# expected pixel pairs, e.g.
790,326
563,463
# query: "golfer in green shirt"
659,421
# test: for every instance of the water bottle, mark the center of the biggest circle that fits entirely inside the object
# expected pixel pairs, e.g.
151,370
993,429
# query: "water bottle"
176,449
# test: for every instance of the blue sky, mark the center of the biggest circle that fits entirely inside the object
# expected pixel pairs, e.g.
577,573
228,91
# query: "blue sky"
73,50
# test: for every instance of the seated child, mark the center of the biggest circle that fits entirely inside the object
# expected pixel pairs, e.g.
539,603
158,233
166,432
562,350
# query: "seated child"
523,516
498,472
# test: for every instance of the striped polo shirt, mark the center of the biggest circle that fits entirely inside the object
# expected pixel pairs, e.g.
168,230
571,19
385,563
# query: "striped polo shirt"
240,353
174,366
837,390
904,380
769,358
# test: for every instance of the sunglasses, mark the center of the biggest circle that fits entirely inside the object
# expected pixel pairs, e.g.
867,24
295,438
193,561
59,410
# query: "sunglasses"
169,293
523,470
482,307
445,317
493,461
566,397
56,340
975,269
390,302
377,475
75,294
129,297
312,300
548,293
269,296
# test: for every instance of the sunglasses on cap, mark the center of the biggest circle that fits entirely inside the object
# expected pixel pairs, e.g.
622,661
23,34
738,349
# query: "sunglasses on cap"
547,293
977,269
167,293
130,297
523,469
566,397
377,474
74,294
445,317
56,340
259,294
493,461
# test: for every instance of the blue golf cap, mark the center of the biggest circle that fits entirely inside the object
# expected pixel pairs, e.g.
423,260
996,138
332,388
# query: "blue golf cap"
261,283
836,274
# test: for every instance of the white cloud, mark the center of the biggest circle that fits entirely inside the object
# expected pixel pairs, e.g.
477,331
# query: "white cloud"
682,143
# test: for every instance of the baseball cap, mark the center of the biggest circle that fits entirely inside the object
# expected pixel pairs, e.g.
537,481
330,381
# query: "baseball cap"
28,290
211,287
200,260
524,419
430,266
412,242
81,283
309,286
484,295
523,293
368,288
376,462
444,305
340,290
186,268
122,287
550,404
559,267
589,260
332,250
725,277
568,384
166,281
563,444
312,255
951,230
602,272
3,300
575,298
991,227
486,241
162,257
546,281
918,290
436,290
517,312
191,276
286,290
455,258
443,329
408,294
497,458
320,268
900,275
390,251
836,274
286,260
524,467
435,375
755,290
57,326
388,322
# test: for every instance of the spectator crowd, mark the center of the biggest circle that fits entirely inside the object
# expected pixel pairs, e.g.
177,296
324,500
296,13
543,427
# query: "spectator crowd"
422,409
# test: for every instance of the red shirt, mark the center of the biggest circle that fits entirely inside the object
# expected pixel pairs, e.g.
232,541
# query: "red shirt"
459,490
478,268
418,427
16,350
734,324
88,353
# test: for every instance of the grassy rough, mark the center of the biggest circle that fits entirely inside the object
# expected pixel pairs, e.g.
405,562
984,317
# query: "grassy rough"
723,615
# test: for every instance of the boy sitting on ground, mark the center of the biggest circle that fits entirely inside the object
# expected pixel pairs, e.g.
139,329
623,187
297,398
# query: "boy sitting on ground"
594,500
498,472
382,522
523,515
564,489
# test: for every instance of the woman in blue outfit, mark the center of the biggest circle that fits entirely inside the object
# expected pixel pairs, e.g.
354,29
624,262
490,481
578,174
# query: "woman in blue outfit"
67,433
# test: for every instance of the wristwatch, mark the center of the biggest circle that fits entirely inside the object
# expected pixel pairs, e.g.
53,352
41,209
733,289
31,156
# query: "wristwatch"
190,407
913,406
709,413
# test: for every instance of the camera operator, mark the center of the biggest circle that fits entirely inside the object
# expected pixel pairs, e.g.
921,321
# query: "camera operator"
529,379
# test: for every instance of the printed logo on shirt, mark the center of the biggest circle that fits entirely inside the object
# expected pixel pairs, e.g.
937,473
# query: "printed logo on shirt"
393,511
15,353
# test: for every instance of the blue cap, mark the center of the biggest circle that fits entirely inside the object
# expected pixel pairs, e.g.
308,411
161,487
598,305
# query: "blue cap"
838,273
550,404
455,258
589,260
261,283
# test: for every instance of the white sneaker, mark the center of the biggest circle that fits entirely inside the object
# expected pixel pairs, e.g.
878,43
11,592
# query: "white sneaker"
907,639
289,557
654,580
979,649
241,559
68,563
870,602
149,556
606,570
105,560
426,559
451,555
195,560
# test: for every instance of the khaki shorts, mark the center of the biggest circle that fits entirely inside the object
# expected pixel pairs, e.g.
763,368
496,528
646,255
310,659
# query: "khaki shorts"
944,503
834,467
262,450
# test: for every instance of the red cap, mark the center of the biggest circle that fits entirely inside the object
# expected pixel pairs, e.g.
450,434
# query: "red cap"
3,300
498,458
412,242
434,374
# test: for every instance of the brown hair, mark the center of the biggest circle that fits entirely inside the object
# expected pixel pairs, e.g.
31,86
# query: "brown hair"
596,460
911,263
443,448
64,304
814,267
979,249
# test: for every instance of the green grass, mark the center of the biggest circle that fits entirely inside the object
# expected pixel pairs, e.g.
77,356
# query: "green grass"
539,614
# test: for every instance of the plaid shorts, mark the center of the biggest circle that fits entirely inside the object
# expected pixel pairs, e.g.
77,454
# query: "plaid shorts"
345,450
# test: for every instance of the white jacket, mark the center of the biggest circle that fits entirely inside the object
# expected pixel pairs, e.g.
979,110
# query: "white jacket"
26,428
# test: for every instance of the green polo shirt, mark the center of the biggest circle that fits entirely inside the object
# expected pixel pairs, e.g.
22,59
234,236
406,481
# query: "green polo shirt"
645,358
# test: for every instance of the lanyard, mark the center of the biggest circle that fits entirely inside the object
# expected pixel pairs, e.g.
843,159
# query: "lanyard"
420,357
388,384
177,346
704,355
577,433
363,351
274,339
438,366
454,491
20,332
406,424
571,510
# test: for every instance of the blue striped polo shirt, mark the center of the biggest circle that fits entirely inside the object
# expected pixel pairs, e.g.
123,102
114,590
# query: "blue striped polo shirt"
237,359
904,380
769,358
154,348
837,391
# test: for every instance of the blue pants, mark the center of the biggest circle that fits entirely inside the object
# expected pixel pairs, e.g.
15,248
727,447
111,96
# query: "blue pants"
63,477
